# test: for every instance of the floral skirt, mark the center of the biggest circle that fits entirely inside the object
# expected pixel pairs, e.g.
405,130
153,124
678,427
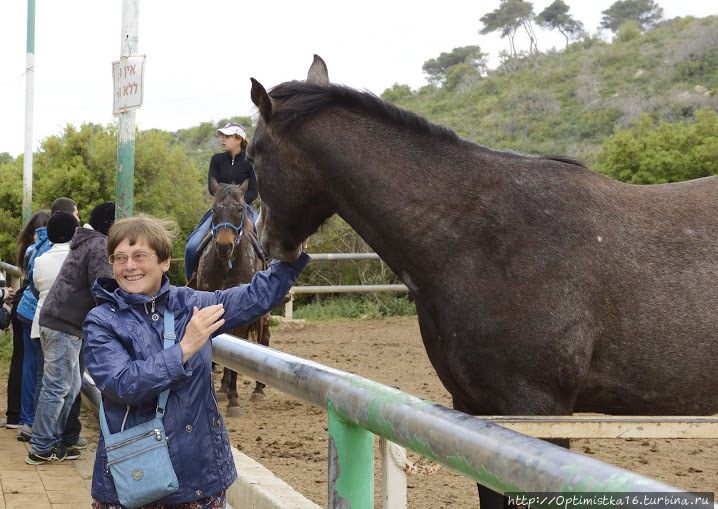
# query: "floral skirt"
218,501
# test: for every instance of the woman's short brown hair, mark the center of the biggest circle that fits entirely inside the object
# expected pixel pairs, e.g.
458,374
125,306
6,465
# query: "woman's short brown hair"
159,234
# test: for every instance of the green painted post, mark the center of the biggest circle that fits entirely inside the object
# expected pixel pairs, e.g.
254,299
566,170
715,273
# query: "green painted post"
351,464
124,187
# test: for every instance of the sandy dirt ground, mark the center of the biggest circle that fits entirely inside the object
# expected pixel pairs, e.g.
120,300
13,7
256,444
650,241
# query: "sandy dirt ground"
290,437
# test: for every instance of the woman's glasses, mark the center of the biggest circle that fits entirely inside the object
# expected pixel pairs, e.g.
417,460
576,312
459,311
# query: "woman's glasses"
139,256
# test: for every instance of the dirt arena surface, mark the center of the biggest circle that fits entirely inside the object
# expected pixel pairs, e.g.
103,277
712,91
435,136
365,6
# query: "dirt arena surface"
289,437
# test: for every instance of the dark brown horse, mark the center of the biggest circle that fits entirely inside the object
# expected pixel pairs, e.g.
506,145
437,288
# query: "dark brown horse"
541,287
231,258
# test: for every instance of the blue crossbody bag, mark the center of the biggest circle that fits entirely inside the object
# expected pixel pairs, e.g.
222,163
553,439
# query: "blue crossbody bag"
138,458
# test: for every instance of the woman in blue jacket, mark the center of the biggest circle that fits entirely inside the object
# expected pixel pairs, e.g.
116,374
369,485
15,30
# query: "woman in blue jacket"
32,239
125,356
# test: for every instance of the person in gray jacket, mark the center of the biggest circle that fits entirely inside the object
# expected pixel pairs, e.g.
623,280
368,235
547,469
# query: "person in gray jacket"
70,299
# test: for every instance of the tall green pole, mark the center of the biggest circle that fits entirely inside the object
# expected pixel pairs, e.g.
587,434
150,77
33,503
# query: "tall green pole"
29,95
124,187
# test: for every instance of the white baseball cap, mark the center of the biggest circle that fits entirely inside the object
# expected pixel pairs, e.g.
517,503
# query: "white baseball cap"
233,128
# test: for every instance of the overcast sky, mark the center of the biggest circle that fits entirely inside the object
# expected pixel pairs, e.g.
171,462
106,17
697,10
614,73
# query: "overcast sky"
201,54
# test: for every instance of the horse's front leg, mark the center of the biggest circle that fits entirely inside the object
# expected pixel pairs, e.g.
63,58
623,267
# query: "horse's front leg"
226,379
262,339
489,499
233,409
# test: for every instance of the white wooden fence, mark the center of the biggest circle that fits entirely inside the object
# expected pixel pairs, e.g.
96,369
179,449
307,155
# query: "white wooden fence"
319,257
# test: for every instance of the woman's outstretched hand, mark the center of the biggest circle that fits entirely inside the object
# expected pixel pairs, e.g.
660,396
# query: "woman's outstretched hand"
202,325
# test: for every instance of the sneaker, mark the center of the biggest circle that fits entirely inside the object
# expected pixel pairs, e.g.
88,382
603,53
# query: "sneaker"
56,455
8,425
24,434
72,453
80,444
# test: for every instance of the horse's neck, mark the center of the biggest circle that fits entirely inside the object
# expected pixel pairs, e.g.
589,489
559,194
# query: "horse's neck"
392,218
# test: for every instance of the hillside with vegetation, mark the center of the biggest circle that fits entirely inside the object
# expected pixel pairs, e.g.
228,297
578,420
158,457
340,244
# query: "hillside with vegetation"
640,108
570,101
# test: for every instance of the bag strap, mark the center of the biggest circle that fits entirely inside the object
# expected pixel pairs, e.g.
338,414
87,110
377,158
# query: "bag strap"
169,340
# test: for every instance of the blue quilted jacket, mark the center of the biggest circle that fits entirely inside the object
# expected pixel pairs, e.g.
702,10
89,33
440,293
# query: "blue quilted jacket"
28,303
124,354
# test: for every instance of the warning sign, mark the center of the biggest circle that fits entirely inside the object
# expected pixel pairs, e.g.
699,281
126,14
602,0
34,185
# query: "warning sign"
128,75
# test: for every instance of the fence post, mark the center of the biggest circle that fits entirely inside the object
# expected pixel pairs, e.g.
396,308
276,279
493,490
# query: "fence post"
393,477
289,306
351,464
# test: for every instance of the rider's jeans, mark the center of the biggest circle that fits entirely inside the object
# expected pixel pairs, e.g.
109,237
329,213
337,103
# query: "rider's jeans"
60,385
190,251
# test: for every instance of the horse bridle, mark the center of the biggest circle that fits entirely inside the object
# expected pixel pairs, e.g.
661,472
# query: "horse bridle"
238,230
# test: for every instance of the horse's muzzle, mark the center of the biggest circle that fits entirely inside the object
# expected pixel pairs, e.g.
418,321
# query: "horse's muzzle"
224,249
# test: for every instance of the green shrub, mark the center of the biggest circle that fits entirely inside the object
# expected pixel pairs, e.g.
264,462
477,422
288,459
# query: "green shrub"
356,307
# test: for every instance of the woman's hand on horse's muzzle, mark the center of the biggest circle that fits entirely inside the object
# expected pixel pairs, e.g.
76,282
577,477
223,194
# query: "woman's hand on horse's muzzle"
202,325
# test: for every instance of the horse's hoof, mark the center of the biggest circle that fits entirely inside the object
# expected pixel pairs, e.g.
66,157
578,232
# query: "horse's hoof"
223,390
234,411
257,396
221,396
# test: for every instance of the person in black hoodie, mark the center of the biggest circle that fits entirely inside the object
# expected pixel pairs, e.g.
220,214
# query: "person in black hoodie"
230,166
69,299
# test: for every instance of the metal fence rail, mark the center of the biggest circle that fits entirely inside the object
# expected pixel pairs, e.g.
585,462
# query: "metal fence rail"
10,269
499,458
496,457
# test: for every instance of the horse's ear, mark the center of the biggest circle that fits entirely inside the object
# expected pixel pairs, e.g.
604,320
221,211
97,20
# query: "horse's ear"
318,72
244,186
214,185
261,100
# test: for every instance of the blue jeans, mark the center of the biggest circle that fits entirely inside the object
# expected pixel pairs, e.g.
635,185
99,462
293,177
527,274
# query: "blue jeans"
60,386
29,376
73,426
39,370
190,251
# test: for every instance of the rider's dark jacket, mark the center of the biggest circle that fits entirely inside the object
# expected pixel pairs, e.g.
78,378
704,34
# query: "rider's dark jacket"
227,170
125,356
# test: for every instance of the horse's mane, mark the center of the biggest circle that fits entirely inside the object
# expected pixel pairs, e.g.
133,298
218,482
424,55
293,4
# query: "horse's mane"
299,100
227,190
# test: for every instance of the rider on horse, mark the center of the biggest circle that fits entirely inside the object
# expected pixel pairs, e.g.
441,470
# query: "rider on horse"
230,166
